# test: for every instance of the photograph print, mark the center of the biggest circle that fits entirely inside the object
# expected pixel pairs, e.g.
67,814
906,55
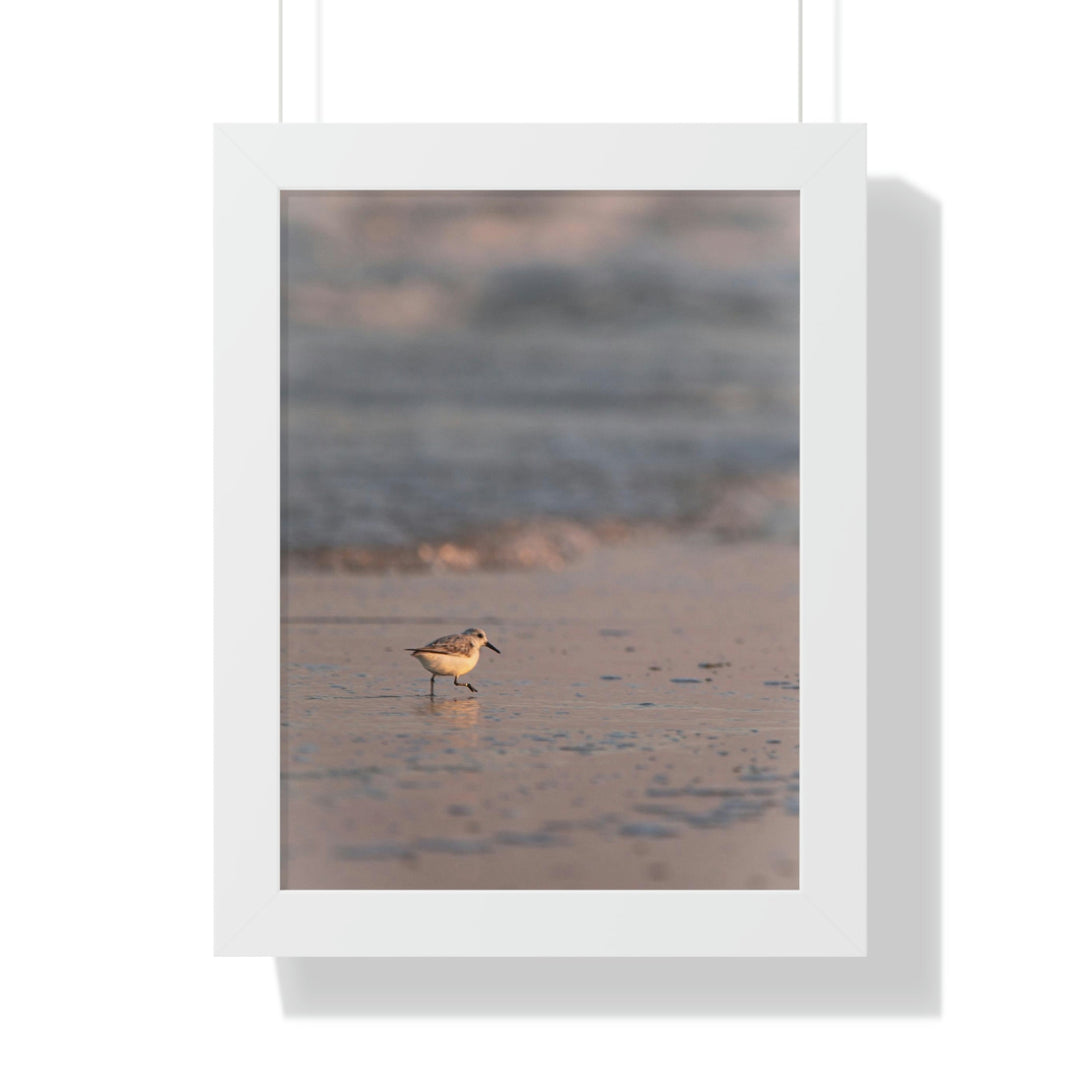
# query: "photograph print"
540,562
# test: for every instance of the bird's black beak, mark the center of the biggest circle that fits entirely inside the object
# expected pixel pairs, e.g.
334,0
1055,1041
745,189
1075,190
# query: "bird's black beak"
492,647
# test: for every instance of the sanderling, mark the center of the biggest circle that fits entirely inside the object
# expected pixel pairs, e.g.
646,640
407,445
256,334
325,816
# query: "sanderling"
455,654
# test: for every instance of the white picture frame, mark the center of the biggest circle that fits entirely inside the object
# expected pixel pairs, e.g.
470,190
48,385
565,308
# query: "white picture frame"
827,914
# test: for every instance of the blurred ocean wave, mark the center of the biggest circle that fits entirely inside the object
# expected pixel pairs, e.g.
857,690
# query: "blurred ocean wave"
448,368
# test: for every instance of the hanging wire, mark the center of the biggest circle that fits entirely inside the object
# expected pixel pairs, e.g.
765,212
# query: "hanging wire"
318,61
800,61
838,13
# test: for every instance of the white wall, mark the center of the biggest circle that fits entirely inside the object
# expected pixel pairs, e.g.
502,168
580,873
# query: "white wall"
105,438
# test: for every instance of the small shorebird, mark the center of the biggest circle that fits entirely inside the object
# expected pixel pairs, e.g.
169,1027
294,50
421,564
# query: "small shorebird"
455,654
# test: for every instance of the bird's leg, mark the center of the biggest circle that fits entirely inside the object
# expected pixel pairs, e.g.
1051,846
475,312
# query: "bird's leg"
468,684
432,685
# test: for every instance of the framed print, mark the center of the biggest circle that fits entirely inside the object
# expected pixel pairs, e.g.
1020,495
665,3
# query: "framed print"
541,540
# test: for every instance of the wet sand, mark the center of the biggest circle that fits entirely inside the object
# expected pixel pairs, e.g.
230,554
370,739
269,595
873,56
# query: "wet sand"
601,752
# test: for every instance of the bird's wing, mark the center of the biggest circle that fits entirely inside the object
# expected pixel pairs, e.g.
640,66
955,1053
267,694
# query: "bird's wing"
450,645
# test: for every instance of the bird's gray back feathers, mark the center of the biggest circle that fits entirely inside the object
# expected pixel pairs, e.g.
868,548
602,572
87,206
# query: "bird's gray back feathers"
450,645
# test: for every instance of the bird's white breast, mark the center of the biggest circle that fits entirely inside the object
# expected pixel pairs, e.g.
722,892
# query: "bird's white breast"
441,664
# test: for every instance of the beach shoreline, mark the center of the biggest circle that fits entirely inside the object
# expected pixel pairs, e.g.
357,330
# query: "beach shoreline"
639,729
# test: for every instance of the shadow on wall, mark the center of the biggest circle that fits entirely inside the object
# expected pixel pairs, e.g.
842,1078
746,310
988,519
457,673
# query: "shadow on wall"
901,976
